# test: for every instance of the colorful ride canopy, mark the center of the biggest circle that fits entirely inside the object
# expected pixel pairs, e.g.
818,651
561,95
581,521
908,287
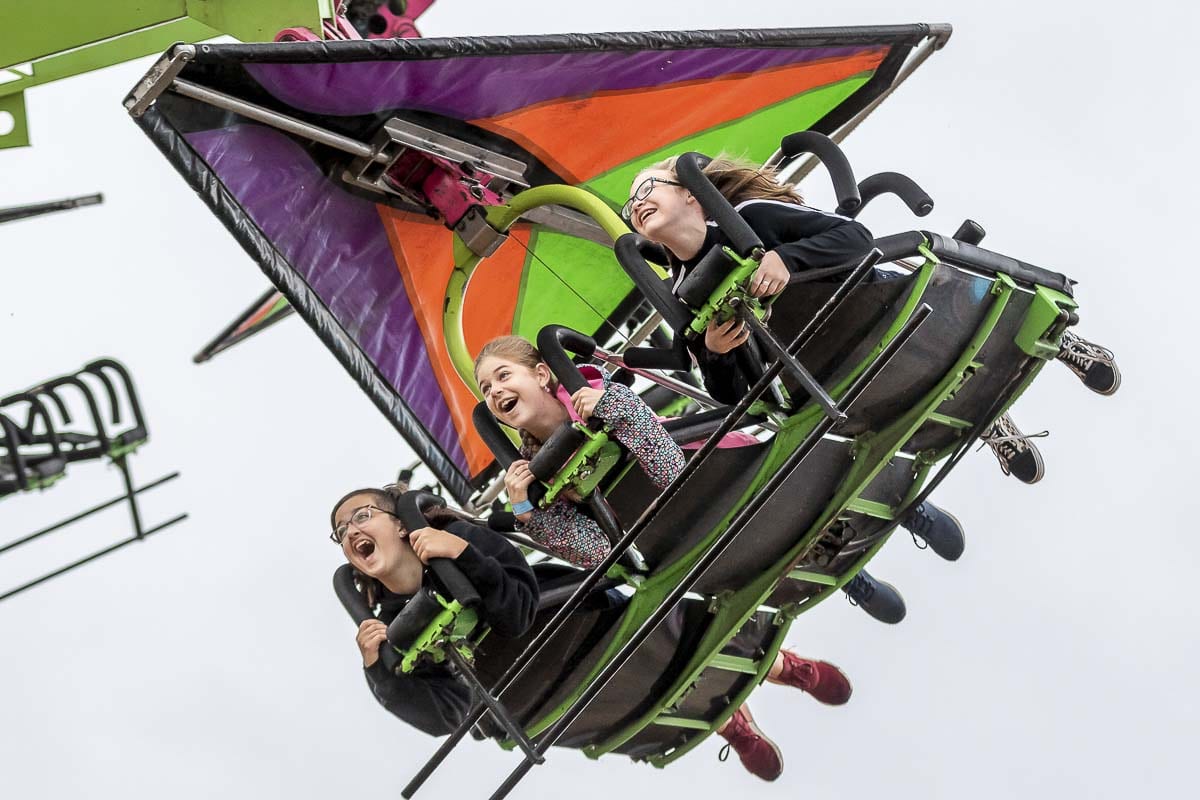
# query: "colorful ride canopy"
369,270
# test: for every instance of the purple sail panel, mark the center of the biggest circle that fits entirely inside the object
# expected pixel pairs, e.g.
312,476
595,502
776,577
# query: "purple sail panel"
337,243
485,86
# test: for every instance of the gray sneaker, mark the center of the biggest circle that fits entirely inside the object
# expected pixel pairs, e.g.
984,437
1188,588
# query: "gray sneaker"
1096,366
878,598
1017,455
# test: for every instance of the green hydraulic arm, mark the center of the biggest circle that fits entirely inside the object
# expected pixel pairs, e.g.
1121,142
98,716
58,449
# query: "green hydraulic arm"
38,46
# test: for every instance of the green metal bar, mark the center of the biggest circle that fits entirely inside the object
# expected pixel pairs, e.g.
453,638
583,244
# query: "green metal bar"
734,664
502,218
871,508
735,702
812,577
950,422
683,722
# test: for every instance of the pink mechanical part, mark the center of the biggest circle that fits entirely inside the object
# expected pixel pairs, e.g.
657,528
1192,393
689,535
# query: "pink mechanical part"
397,19
392,19
441,183
336,29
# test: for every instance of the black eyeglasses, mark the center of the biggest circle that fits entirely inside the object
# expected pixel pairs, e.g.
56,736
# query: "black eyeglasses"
643,191
361,516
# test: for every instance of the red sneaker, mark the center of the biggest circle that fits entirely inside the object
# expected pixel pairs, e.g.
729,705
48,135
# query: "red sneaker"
825,682
759,754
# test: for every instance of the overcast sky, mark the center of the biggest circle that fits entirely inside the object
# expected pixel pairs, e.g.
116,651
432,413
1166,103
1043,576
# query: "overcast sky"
1056,659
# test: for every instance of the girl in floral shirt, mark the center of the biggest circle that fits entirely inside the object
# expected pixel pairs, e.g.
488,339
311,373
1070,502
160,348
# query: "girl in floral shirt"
521,392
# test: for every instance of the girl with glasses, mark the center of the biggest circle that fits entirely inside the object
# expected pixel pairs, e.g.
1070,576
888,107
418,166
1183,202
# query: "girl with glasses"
389,564
521,392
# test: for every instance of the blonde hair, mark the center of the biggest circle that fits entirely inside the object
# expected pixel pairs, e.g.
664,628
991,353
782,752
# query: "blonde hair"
739,180
521,351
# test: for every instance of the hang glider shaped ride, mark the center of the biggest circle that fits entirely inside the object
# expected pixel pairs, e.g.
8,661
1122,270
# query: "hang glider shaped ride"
413,199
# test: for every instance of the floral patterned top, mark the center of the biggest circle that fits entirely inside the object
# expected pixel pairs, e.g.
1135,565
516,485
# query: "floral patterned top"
562,527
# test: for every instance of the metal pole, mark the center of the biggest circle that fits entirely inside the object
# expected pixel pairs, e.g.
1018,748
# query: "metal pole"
275,119
84,514
92,557
499,712
776,349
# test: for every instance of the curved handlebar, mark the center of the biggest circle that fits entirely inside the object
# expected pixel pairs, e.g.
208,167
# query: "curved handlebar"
356,606
93,407
501,446
633,252
411,508
828,153
12,441
689,168
96,368
917,199
553,341
36,407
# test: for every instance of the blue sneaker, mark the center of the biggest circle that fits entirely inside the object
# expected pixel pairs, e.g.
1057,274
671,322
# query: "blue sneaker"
939,529
878,598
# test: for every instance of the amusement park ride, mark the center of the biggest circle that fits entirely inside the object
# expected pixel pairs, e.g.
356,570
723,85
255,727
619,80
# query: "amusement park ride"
454,190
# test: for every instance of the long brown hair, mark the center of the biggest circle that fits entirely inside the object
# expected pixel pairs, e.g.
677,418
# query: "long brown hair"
739,179
518,350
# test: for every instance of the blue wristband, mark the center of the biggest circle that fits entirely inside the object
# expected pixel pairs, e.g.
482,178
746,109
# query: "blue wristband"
522,507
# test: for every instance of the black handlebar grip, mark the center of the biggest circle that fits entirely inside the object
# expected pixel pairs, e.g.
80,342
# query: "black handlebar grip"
675,358
501,446
561,445
553,341
970,232
356,606
917,199
829,154
689,168
411,508
632,252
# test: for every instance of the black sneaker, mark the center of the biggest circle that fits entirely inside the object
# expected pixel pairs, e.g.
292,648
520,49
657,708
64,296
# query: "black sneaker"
1018,456
878,598
1096,366
940,530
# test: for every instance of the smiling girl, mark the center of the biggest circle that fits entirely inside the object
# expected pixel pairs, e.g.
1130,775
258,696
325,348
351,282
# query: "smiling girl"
390,562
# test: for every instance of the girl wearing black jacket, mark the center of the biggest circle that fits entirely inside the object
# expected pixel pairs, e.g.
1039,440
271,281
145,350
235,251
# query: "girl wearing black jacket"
390,564
796,238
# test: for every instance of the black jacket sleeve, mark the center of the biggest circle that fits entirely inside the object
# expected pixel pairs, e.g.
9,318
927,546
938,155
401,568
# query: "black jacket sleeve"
723,380
432,700
806,238
507,587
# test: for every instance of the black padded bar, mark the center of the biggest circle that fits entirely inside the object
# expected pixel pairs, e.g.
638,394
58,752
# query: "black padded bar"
553,341
917,199
689,167
828,153
98,366
972,256
356,606
411,508
12,441
631,252
501,446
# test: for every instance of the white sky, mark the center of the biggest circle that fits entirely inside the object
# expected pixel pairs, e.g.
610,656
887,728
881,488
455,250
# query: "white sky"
1056,659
